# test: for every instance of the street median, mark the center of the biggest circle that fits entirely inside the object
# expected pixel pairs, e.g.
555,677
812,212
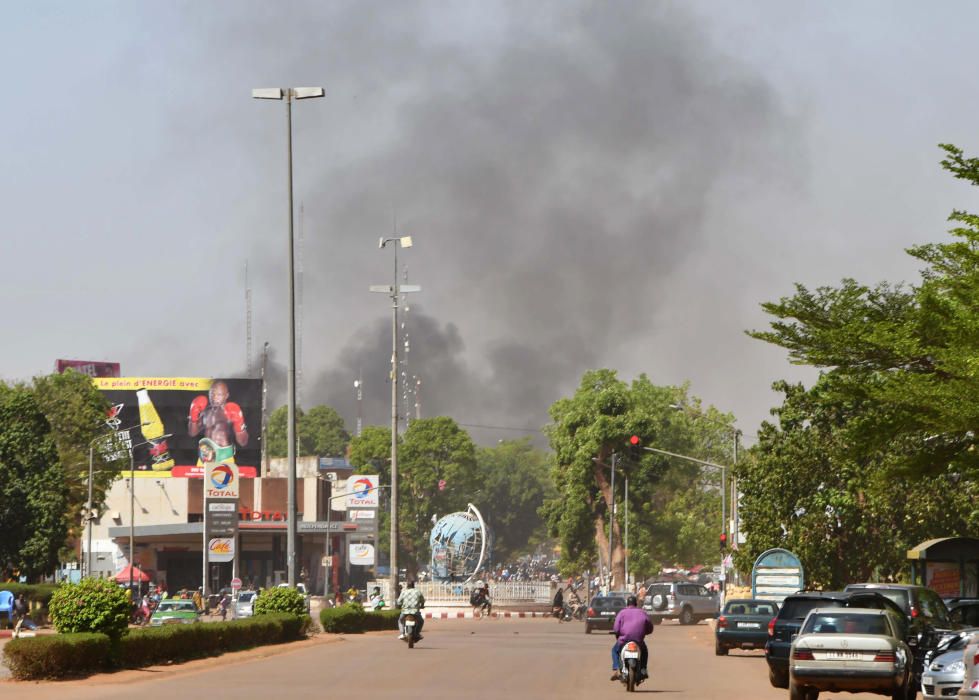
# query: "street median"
82,654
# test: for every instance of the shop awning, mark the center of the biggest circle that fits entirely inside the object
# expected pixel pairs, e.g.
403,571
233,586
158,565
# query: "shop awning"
138,575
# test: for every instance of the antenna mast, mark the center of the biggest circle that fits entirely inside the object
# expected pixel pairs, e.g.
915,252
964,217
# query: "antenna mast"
248,325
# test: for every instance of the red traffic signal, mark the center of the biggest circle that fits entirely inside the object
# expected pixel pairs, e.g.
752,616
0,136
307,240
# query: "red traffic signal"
634,441
723,540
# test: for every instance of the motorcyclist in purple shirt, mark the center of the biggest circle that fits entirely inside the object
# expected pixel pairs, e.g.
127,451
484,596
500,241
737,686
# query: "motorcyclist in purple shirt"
631,625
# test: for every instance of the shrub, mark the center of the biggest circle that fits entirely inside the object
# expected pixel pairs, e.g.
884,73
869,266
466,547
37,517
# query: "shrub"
352,619
82,654
92,605
60,656
280,600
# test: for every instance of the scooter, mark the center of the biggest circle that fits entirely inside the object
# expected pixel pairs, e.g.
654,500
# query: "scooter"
630,670
411,636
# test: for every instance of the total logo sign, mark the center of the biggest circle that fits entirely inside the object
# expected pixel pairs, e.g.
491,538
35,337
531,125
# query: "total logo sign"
222,481
362,491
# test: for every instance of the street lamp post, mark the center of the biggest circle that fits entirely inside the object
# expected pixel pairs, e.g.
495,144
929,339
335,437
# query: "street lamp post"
394,290
91,477
290,94
132,504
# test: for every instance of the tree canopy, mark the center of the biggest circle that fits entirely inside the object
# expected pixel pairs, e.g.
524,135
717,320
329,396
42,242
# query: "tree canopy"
320,431
674,505
892,414
46,429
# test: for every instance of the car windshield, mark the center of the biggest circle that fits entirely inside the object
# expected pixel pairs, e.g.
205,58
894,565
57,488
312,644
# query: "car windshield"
245,597
607,602
658,589
798,608
176,605
749,607
846,623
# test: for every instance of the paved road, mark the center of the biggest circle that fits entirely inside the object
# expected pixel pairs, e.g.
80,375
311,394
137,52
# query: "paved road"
471,659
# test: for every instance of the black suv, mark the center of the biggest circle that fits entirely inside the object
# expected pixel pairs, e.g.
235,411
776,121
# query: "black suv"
928,618
792,612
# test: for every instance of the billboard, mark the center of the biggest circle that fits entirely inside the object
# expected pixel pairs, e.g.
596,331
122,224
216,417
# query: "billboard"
186,426
91,368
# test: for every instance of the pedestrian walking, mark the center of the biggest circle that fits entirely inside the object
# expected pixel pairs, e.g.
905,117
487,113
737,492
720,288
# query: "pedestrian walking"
21,618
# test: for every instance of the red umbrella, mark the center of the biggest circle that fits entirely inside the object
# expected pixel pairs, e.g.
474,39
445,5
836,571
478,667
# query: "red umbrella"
138,575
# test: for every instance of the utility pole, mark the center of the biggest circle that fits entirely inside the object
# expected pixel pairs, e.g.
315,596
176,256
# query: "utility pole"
611,528
394,290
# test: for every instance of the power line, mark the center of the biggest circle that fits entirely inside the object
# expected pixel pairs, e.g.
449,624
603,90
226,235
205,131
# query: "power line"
501,427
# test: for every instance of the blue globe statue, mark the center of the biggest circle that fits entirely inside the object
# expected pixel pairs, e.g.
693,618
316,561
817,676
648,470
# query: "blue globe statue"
461,545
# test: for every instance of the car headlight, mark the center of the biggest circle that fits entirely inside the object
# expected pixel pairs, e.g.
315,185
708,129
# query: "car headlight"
955,667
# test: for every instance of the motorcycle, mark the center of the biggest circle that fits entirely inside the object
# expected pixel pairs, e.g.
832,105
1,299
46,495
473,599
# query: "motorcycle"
411,636
630,670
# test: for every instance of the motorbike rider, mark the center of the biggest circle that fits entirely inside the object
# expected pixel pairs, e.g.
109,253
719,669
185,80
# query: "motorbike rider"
411,601
631,625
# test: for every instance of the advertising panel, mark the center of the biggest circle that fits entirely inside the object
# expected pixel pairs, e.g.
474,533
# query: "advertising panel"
944,578
187,424
362,491
221,549
92,369
222,518
362,554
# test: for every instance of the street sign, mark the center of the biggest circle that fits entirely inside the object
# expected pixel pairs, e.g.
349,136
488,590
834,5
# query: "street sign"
327,562
718,570
236,584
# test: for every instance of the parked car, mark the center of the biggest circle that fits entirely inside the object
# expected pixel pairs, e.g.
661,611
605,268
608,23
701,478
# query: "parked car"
970,684
945,669
743,624
792,613
963,611
602,611
853,650
687,602
244,604
175,611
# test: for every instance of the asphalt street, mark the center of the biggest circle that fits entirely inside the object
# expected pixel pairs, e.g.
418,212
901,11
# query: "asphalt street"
472,659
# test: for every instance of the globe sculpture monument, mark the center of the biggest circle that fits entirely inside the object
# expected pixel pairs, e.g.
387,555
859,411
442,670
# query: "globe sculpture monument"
461,545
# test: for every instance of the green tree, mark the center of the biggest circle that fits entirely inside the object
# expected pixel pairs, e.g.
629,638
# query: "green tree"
319,432
326,431
514,481
45,432
905,352
599,420
436,476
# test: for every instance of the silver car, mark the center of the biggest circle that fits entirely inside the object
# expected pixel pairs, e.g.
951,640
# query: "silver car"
243,606
687,602
850,649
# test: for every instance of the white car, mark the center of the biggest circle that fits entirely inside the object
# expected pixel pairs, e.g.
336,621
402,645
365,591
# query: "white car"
244,604
850,649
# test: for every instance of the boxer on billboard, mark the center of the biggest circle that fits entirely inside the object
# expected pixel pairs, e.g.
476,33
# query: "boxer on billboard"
222,423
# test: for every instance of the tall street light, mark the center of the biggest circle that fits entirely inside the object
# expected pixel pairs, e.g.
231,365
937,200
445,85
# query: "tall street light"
290,94
394,290
132,503
91,476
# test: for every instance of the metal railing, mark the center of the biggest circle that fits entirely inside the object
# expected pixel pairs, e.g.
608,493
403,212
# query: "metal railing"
457,594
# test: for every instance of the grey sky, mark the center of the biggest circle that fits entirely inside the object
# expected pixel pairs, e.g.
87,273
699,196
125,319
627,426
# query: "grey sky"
608,184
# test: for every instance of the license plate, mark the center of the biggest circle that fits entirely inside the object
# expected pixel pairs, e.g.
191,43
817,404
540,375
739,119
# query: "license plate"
749,625
409,623
630,655
608,614
846,655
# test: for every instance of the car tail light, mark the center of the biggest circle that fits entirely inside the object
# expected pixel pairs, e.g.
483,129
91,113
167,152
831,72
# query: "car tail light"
886,656
975,660
914,611
771,627
671,596
591,612
802,655
722,621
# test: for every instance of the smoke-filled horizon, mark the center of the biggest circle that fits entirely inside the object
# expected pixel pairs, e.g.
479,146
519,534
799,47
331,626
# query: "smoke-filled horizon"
588,184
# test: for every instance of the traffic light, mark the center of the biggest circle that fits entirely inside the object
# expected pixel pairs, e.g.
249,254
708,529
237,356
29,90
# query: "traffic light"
723,541
634,441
